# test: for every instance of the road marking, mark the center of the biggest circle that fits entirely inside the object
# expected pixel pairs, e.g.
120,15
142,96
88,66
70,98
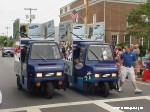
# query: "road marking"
143,83
106,106
33,110
100,103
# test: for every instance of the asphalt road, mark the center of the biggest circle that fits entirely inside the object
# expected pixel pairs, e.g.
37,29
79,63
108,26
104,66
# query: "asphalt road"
71,100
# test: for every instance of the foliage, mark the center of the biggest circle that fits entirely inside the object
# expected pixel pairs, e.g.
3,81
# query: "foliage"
143,50
4,41
10,43
121,44
139,21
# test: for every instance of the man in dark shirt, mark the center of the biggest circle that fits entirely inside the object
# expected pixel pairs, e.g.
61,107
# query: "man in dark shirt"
128,58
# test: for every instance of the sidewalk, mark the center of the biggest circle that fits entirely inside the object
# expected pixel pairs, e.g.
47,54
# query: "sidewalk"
140,79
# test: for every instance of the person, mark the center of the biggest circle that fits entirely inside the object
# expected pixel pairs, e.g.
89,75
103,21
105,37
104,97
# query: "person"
132,47
145,59
63,51
78,69
140,67
128,58
136,50
78,64
68,51
146,73
117,58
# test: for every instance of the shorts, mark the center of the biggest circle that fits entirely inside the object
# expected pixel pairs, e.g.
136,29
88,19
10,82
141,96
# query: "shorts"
125,71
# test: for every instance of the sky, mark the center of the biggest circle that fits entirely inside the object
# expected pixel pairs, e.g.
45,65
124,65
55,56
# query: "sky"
11,10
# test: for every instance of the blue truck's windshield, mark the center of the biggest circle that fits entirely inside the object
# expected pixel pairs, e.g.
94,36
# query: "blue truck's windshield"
99,52
44,51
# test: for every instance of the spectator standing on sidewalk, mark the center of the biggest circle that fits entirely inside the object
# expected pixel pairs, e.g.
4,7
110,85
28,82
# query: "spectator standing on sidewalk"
128,58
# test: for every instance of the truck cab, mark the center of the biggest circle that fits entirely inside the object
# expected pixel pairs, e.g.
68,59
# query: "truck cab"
91,67
40,67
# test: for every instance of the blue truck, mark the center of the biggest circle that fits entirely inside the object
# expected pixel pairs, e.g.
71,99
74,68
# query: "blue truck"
91,67
39,66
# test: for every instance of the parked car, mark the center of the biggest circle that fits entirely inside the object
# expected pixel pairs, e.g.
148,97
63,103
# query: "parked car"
7,51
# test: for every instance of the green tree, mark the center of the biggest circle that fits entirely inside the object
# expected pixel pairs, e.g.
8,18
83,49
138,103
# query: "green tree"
10,43
139,21
2,39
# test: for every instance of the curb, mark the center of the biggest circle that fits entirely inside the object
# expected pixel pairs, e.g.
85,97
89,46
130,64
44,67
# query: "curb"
140,79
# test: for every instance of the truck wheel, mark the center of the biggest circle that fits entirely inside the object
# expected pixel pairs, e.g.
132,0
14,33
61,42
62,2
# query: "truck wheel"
105,89
2,55
19,86
49,90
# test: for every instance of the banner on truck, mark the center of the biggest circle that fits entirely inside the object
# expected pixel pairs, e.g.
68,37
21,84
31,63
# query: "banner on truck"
64,31
34,30
98,31
78,30
50,30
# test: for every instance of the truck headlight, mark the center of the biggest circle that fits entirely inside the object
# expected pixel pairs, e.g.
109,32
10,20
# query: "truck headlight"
59,74
96,75
114,74
38,74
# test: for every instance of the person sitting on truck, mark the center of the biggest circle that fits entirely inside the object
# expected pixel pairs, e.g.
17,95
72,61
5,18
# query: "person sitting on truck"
78,64
77,69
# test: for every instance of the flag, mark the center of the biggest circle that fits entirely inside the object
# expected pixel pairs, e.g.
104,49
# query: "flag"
74,14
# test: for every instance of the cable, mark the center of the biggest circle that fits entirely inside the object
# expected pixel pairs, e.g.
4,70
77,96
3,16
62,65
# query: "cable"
52,14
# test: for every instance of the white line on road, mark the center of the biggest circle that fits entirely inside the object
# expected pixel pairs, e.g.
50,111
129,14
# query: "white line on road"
147,84
101,103
106,106
33,109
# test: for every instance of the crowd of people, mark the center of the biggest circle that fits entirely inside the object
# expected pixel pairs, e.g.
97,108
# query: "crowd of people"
65,50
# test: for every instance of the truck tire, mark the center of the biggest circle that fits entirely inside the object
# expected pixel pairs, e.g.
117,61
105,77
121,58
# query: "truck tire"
49,90
19,86
105,89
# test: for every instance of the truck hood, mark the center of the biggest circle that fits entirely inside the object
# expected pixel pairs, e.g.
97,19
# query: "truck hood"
40,68
103,68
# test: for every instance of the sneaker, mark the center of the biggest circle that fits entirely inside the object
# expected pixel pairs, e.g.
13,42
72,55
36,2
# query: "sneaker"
137,91
120,89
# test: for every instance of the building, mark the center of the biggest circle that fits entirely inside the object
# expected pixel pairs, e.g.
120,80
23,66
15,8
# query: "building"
112,12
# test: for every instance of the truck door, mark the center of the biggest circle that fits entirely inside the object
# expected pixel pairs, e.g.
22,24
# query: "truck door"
78,63
24,50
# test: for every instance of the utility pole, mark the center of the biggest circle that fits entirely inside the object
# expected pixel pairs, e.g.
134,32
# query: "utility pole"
87,17
87,11
30,16
7,30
